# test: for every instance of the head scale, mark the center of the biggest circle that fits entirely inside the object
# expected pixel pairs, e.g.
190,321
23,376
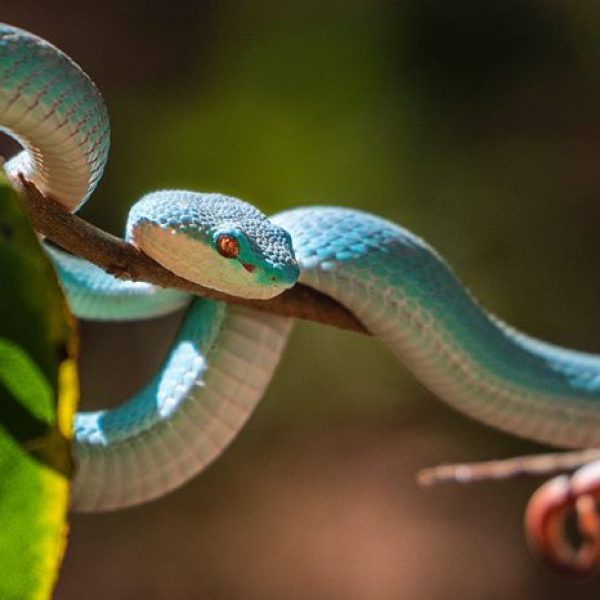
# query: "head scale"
216,241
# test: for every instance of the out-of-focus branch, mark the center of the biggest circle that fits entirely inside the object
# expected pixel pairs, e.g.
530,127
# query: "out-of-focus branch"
533,465
123,260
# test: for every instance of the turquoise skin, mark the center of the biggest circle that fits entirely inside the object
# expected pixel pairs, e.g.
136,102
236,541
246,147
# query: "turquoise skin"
406,294
183,228
54,109
224,356
95,295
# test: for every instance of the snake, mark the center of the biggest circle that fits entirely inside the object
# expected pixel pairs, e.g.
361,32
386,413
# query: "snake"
224,356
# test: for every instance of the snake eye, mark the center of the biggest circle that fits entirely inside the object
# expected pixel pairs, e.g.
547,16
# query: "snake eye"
228,246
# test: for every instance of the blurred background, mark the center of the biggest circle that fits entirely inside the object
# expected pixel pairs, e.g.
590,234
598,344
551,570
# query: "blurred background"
476,125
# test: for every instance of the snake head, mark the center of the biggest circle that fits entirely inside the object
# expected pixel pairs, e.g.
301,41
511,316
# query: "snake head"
216,241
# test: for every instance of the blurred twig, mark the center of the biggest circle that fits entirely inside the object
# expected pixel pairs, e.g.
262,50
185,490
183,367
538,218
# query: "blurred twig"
123,260
531,465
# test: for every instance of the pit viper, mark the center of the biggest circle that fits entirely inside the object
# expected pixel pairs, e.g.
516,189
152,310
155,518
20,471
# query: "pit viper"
224,356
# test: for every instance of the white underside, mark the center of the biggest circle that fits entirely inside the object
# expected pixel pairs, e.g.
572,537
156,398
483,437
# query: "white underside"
146,466
54,158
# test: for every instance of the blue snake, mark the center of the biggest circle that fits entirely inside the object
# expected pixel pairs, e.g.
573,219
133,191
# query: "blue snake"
224,356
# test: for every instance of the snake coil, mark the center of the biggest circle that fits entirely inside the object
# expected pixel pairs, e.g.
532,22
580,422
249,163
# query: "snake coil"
224,357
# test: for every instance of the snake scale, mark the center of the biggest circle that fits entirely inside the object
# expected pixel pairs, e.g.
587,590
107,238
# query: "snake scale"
224,356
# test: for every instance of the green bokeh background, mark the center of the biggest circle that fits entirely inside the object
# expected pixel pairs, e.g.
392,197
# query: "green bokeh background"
474,124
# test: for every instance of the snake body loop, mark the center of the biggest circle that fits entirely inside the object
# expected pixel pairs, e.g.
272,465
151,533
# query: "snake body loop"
54,109
224,356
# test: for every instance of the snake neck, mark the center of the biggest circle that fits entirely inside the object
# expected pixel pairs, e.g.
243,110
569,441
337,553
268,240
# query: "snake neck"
406,294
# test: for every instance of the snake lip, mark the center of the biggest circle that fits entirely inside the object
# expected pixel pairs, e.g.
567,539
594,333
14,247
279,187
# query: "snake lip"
249,267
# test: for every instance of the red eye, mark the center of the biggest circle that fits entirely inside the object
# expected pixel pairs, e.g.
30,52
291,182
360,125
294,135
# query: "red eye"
228,246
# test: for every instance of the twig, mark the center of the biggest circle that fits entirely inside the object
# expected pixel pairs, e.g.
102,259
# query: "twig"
532,465
123,260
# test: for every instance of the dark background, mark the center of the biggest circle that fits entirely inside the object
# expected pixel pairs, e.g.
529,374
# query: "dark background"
475,124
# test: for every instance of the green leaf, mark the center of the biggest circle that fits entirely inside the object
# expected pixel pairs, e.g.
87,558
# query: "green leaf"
38,396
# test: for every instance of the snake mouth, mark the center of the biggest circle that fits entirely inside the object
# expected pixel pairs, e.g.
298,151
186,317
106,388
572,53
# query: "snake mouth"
249,267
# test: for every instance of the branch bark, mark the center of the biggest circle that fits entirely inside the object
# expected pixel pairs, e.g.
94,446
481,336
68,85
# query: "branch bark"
123,260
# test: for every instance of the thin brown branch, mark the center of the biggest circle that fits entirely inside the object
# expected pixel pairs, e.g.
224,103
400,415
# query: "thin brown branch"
123,260
532,465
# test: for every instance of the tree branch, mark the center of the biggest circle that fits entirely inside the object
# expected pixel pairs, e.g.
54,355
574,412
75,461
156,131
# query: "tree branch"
123,260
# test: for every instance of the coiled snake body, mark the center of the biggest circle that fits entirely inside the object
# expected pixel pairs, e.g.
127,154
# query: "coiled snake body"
224,356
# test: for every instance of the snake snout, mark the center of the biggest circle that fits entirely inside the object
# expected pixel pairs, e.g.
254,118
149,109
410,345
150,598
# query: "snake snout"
286,275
